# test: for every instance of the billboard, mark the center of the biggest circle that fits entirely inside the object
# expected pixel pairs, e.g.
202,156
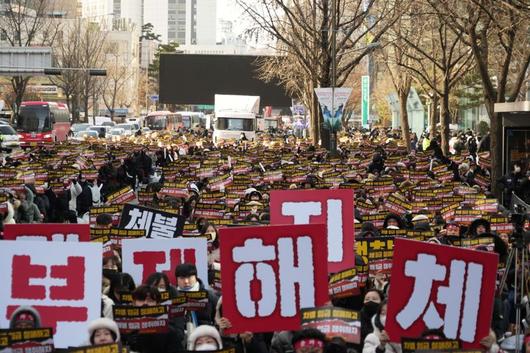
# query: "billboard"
196,79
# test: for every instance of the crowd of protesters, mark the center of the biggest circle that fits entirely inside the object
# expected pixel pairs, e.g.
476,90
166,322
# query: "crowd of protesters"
61,183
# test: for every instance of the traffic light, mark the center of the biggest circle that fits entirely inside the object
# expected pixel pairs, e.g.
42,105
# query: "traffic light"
53,71
97,72
91,72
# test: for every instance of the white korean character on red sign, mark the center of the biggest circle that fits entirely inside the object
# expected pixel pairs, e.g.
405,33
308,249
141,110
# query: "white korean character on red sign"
163,227
331,207
61,280
140,220
441,287
270,273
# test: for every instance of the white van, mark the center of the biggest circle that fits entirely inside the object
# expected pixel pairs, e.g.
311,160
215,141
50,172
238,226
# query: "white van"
234,116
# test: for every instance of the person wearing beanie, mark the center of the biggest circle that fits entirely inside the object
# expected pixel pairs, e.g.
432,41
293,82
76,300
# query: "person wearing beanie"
205,338
421,223
25,317
309,339
103,331
393,220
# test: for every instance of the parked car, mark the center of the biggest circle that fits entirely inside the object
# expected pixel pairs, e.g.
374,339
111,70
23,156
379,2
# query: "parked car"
129,129
116,134
84,135
78,128
101,130
110,124
9,138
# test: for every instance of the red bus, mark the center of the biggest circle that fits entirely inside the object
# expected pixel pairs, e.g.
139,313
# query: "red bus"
164,120
39,122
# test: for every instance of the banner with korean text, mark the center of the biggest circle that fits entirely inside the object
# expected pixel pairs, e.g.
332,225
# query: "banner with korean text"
331,207
61,280
441,287
290,265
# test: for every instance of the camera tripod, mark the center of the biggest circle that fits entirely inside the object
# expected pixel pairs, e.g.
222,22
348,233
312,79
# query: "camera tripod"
517,256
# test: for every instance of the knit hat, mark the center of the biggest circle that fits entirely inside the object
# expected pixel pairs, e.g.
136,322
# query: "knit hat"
201,331
25,314
420,217
103,323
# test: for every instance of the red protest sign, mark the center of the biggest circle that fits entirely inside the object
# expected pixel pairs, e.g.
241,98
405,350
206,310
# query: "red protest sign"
270,273
331,207
61,280
48,231
440,286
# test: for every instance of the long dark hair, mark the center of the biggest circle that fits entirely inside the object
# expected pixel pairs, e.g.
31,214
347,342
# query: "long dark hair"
154,279
377,319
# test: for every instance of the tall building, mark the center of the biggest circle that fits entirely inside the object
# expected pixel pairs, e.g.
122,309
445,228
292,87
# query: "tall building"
177,21
201,22
107,12
182,21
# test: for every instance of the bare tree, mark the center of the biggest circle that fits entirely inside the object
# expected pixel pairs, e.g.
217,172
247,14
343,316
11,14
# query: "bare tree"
93,46
26,23
68,55
440,49
496,31
302,30
118,75
396,56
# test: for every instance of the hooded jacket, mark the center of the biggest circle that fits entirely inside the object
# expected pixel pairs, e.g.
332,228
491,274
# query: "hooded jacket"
25,309
472,231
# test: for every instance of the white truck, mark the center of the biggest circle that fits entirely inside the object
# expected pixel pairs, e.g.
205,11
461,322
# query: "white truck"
234,116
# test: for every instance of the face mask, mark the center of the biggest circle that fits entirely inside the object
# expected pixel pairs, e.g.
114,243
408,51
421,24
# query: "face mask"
382,318
162,290
206,347
371,307
106,290
517,169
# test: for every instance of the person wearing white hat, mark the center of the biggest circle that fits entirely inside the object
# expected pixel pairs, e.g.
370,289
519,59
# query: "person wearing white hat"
205,338
103,331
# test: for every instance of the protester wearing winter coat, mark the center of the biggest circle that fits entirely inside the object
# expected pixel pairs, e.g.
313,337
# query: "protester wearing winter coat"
103,331
372,301
10,215
75,189
170,342
246,342
378,341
